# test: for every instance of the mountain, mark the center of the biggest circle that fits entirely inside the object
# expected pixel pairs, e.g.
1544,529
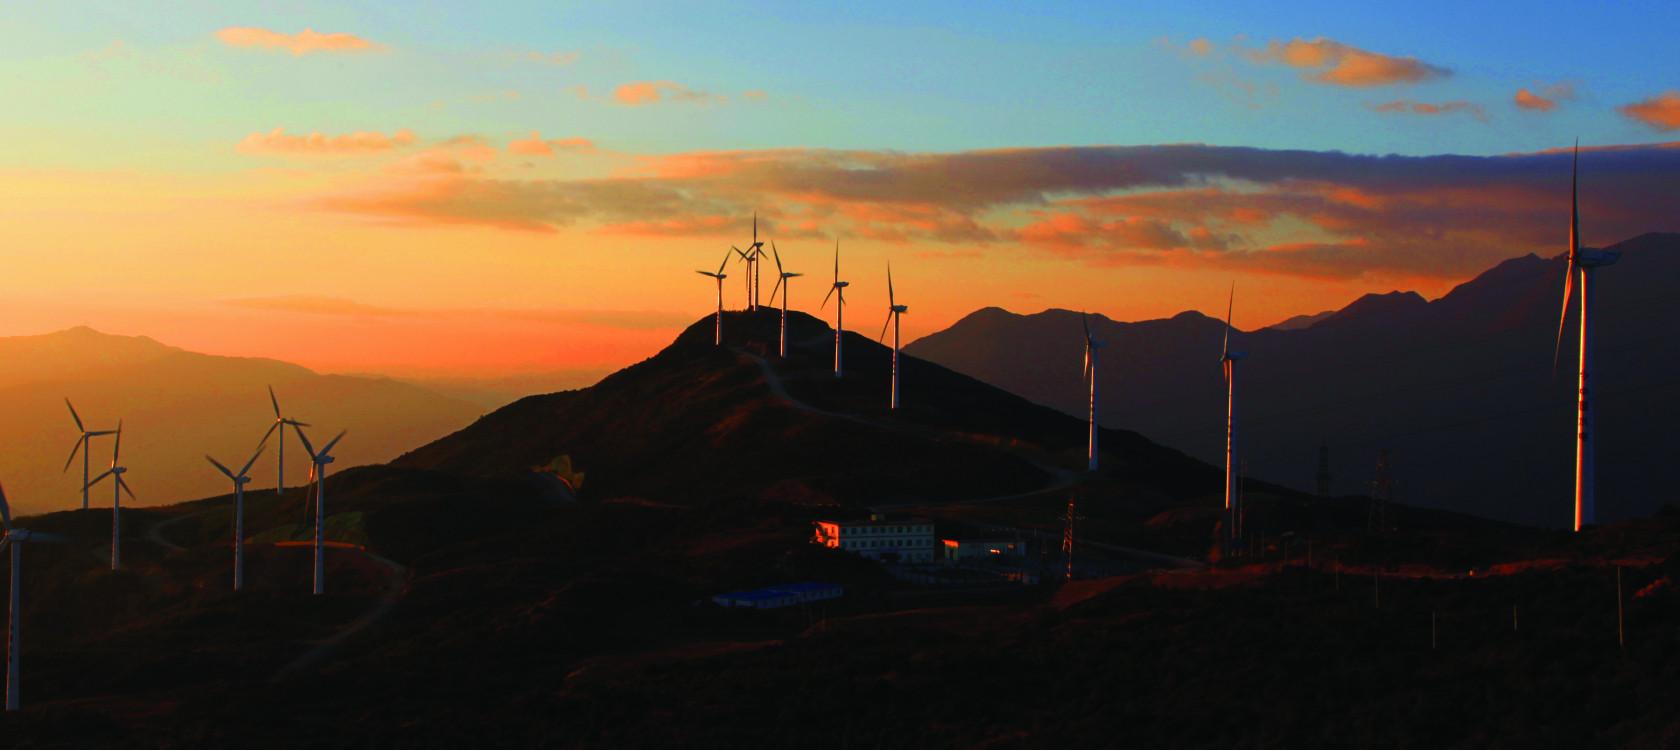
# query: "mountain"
1301,321
177,405
1459,391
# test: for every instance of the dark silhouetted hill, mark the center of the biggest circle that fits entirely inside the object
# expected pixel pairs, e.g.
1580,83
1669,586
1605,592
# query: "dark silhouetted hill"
1459,390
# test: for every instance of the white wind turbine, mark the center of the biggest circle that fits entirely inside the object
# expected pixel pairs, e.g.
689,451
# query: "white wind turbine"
753,255
1091,347
318,476
783,284
894,310
16,538
280,423
118,486
239,480
839,288
1584,262
1229,360
720,276
84,443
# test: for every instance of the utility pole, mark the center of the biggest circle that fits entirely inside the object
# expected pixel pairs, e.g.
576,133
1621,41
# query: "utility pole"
1067,536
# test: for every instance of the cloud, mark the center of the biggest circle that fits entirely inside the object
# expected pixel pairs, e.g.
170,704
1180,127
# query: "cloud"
652,92
1339,64
278,141
553,58
1660,113
1306,213
754,95
536,146
1424,108
304,42
1546,99
1200,47
339,307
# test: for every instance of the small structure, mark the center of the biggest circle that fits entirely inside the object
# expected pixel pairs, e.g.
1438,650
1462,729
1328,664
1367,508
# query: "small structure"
981,549
776,597
881,538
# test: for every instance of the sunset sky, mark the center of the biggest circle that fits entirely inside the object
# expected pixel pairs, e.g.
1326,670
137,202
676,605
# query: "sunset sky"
455,189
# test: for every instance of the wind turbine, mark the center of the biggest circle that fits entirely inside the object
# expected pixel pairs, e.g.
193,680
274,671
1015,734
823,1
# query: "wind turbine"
318,475
783,284
16,539
839,288
85,440
752,256
720,276
280,423
893,311
1229,360
118,487
239,481
1584,262
1091,347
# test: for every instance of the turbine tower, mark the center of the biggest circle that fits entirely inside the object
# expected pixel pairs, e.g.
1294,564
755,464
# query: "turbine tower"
720,276
752,256
119,486
16,538
84,443
280,423
239,480
894,310
1091,347
783,284
1583,262
318,476
1229,360
839,288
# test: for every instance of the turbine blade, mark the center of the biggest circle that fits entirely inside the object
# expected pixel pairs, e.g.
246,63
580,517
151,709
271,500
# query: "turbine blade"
883,336
779,280
96,480
307,446
725,262
1087,360
73,449
274,401
737,252
1230,304
890,301
116,449
836,259
75,416
777,256
5,509
219,466
271,429
1085,320
327,449
260,446
123,485
1574,250
826,296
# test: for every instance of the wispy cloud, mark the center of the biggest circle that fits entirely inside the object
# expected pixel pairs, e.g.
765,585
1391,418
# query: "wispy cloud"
566,57
278,141
642,93
1660,112
1291,212
1403,106
304,42
1331,62
535,145
1545,99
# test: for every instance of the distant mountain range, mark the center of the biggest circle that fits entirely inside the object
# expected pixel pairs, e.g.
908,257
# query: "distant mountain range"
1460,390
178,405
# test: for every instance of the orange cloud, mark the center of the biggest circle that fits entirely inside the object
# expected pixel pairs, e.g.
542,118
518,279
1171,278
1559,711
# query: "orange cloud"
536,146
1425,108
755,95
302,43
338,307
1661,112
652,92
278,141
554,58
1546,99
1340,64
1200,46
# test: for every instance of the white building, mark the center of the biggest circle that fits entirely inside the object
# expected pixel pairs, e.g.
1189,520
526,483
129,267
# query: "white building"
972,550
881,538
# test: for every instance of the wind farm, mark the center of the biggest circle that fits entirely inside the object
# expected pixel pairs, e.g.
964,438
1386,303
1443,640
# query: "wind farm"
554,493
